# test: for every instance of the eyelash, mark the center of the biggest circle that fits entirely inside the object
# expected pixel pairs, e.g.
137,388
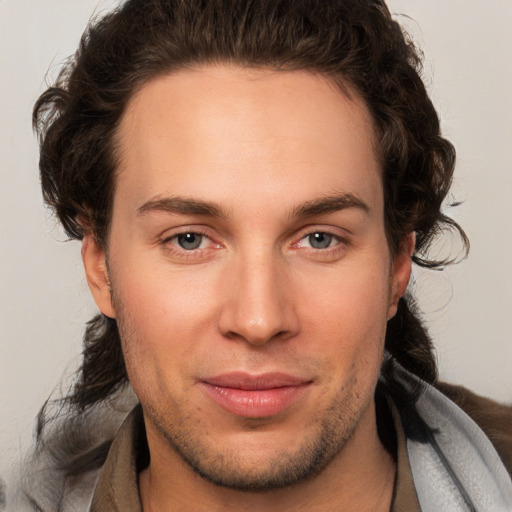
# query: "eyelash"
317,232
328,253
341,243
184,253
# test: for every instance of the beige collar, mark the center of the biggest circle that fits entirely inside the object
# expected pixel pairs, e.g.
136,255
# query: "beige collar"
117,487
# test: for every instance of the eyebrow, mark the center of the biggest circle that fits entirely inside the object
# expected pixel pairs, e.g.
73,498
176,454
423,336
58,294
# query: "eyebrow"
189,206
329,204
181,206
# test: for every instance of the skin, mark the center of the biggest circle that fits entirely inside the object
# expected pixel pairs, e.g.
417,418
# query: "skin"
258,294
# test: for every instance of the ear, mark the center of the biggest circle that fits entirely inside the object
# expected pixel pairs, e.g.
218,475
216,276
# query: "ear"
401,271
96,271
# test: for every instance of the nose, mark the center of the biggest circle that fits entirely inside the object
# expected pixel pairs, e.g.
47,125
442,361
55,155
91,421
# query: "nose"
258,305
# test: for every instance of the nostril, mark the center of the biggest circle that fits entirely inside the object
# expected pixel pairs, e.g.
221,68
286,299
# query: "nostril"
256,307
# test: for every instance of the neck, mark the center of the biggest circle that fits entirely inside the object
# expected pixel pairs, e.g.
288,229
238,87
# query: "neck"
361,477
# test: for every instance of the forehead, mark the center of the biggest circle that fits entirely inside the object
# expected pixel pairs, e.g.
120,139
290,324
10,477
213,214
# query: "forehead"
222,132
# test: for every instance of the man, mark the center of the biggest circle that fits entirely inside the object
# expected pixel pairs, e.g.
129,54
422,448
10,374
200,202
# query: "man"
251,182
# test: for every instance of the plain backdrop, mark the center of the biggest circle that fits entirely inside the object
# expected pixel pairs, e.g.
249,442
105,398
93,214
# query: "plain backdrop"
44,300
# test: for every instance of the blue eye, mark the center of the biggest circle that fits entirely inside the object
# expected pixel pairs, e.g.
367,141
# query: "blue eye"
320,240
189,241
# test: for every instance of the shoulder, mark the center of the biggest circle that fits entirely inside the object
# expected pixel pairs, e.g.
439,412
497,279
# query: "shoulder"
61,469
493,418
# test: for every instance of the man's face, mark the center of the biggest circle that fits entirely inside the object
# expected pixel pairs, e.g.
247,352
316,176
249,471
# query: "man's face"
250,272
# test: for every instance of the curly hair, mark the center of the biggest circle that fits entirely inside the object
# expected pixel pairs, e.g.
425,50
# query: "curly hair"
354,42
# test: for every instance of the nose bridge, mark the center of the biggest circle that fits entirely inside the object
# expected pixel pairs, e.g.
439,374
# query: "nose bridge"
257,308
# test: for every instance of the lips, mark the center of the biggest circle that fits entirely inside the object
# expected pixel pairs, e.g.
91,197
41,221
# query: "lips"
255,396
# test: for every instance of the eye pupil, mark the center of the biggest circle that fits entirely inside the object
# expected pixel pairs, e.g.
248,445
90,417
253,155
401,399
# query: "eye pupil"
320,240
189,241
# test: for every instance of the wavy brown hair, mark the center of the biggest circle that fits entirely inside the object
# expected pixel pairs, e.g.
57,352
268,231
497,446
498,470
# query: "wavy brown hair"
352,42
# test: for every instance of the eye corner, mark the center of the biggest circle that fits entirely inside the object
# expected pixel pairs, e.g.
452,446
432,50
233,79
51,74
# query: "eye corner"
319,239
320,244
189,244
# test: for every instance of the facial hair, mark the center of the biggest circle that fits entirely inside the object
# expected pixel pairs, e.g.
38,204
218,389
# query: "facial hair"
291,465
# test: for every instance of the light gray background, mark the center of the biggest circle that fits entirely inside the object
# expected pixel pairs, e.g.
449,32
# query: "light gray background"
44,300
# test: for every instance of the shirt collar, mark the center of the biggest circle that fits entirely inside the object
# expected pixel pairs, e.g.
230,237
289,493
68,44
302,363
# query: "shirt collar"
117,489
117,486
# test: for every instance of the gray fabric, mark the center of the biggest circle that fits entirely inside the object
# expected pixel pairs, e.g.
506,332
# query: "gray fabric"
454,465
39,483
456,468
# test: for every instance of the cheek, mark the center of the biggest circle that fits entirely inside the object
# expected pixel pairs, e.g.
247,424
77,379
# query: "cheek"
346,319
160,297
353,299
161,316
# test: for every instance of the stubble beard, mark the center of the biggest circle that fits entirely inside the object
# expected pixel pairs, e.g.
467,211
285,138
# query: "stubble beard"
284,468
